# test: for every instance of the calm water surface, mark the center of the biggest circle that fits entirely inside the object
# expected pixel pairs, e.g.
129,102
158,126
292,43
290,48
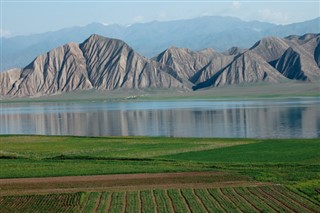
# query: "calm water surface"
272,118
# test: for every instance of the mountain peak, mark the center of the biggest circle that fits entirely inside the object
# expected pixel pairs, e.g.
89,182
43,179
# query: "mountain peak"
104,45
270,48
207,51
304,38
70,46
235,51
112,64
267,41
96,38
175,49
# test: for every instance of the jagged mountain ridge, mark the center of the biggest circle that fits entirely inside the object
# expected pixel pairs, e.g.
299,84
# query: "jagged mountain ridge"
194,66
152,38
98,62
245,68
112,64
271,59
108,64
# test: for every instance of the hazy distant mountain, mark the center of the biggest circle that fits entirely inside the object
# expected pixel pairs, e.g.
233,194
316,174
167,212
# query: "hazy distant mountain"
220,33
20,50
310,26
108,64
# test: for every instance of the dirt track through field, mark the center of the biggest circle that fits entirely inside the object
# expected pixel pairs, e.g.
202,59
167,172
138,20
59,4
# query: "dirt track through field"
123,182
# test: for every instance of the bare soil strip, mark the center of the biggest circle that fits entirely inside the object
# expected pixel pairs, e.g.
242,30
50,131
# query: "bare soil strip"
108,177
123,182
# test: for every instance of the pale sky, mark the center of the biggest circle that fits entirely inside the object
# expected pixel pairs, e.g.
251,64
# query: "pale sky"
23,17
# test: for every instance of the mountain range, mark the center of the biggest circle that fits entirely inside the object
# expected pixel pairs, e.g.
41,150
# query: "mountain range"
108,64
148,39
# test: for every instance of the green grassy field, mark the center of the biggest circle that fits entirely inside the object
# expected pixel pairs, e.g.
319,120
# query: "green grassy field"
40,156
282,161
294,163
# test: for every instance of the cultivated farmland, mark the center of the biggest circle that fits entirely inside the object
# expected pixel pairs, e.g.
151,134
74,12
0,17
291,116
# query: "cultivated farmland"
230,199
157,174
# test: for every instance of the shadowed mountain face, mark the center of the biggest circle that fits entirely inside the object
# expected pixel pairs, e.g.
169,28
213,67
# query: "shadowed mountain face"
8,79
271,60
317,53
108,64
289,65
196,67
245,68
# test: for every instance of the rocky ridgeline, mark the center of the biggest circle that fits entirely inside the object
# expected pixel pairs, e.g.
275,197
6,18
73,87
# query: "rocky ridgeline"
108,64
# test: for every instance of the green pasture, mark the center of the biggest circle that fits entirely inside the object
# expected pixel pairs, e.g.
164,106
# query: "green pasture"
294,162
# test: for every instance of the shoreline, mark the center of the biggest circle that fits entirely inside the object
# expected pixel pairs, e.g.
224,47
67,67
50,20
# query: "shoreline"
247,91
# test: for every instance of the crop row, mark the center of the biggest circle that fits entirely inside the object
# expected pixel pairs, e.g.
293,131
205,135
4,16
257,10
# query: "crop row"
237,199
41,203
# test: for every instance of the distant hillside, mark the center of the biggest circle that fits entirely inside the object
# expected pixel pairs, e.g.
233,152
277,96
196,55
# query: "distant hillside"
108,64
220,33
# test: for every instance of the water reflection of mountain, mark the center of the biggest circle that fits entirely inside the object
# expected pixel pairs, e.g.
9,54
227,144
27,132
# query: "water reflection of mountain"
237,122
